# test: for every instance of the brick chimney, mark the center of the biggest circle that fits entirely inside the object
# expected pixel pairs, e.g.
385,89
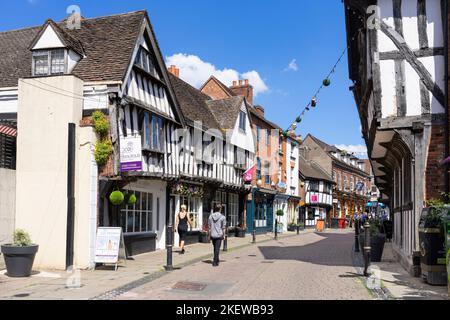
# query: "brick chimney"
260,110
243,89
174,70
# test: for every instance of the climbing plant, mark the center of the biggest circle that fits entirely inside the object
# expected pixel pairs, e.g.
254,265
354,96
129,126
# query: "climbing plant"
103,147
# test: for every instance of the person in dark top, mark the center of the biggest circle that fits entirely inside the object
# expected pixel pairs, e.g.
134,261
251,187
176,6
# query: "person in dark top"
183,220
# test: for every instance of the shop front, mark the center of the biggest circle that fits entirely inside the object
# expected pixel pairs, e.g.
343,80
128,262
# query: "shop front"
260,210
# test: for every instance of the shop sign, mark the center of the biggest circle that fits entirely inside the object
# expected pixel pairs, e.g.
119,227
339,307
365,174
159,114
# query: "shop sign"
314,198
131,154
109,246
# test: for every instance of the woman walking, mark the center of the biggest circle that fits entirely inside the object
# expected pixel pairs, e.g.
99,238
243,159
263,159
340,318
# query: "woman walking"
183,220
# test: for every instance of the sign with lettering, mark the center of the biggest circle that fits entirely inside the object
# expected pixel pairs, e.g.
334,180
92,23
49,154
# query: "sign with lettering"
109,246
131,154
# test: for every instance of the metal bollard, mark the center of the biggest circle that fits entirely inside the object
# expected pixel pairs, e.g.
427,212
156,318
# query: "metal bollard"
298,226
367,248
276,229
169,246
225,241
254,231
356,235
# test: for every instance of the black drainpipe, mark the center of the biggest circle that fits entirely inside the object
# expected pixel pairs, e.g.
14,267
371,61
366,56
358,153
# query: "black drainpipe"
447,129
70,196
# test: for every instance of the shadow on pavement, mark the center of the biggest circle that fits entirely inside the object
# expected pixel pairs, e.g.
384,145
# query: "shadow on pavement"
334,250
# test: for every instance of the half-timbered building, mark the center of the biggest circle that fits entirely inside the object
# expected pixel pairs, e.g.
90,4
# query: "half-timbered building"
397,59
218,147
52,78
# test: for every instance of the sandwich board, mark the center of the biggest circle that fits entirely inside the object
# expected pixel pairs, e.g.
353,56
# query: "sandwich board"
110,246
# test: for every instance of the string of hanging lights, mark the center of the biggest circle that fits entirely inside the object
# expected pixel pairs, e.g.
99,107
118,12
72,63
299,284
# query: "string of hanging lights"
325,83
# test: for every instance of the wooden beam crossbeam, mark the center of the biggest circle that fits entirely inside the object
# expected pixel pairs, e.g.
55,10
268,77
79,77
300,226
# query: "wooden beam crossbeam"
415,63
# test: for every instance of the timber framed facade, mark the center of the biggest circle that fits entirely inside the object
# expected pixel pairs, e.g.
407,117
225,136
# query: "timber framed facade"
398,69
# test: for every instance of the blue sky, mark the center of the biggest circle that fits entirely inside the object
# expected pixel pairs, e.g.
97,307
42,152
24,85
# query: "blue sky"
256,39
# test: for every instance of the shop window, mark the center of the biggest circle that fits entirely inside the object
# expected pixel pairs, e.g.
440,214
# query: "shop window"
233,209
311,214
138,217
193,209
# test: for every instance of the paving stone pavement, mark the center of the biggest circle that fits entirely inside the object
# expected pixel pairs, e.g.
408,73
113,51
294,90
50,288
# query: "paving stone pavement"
103,284
314,266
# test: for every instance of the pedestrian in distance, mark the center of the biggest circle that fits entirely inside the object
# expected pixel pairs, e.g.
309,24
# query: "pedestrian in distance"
183,222
217,225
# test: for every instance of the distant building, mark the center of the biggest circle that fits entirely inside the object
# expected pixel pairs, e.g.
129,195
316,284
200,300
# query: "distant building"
352,183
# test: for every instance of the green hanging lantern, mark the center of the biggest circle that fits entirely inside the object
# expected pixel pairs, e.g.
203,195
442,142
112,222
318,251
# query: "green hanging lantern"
131,199
116,198
326,82
298,120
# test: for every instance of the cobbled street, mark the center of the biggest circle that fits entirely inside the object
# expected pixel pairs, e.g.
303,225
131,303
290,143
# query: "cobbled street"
310,266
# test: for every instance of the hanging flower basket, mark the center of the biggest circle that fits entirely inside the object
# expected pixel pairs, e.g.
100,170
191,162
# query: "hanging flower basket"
187,190
116,198
326,82
131,199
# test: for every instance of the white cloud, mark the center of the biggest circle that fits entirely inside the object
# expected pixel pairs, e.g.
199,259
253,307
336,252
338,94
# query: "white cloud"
358,150
292,65
195,71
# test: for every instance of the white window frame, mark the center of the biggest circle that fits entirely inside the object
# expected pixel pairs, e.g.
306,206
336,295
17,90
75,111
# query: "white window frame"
48,54
148,211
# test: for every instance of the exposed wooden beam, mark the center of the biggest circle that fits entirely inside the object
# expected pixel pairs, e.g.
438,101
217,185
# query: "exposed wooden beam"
421,53
422,23
418,66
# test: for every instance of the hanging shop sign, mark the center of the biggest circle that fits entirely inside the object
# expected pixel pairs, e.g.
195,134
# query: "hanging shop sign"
248,175
131,154
314,198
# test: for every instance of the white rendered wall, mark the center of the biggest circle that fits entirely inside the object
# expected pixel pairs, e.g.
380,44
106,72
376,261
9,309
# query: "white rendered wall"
49,39
388,92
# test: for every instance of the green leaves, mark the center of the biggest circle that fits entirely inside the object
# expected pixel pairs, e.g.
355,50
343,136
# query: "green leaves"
21,238
103,150
103,147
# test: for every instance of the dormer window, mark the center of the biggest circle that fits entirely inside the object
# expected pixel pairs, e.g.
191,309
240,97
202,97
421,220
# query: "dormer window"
49,62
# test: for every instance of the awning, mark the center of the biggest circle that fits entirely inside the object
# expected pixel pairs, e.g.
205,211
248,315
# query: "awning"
7,130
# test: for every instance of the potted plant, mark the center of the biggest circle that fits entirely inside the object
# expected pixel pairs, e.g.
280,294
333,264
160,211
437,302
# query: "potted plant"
292,227
432,242
204,235
240,231
19,256
377,240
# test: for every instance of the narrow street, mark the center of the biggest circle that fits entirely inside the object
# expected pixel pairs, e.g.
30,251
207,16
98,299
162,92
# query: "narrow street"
310,266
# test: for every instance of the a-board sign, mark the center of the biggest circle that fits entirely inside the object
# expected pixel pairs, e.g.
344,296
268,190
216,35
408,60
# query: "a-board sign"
109,246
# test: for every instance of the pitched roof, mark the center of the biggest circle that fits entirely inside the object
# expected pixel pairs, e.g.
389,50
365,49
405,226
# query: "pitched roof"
324,145
227,90
69,41
311,170
193,103
254,113
226,111
108,43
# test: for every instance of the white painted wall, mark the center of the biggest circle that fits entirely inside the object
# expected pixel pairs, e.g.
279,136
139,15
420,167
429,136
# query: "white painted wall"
413,99
49,39
7,204
436,67
41,184
158,189
388,93
95,97
386,15
409,20
434,20
243,140
72,59
8,100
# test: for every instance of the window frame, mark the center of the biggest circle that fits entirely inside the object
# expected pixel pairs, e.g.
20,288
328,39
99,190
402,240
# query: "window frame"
242,121
137,210
49,54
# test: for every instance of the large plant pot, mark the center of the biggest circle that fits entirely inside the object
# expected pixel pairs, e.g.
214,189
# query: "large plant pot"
19,260
240,233
376,246
292,228
204,238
